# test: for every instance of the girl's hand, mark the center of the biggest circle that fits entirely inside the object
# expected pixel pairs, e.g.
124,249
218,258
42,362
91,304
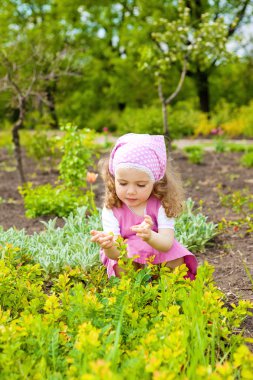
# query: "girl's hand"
144,230
105,240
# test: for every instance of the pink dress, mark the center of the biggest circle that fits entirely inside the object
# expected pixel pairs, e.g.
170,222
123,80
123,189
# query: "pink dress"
136,246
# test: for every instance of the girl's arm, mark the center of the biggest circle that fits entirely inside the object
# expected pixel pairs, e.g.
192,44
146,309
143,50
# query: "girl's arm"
106,238
112,253
162,240
106,242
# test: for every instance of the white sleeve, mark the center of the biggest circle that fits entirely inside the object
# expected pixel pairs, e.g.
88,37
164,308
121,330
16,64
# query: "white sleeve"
110,222
163,221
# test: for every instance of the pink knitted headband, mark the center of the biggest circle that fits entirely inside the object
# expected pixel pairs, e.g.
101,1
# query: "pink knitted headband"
140,151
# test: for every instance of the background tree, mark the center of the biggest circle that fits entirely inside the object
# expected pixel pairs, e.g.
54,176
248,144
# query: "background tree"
234,13
177,43
101,41
30,64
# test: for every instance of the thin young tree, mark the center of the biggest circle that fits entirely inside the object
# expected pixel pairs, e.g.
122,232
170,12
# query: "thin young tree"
176,44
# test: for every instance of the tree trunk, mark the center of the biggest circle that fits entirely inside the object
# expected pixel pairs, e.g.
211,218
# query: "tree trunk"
166,125
16,139
165,118
51,105
202,79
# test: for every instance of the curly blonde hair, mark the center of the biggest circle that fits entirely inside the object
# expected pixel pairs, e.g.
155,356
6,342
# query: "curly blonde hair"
169,189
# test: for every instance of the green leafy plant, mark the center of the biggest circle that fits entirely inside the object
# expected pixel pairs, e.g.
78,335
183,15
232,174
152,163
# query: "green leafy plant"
247,160
141,120
77,147
84,326
235,147
195,154
220,145
193,230
77,156
20,282
241,203
48,200
43,147
55,248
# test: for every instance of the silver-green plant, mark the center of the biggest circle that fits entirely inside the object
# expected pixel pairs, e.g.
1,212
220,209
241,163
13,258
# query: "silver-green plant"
55,247
193,230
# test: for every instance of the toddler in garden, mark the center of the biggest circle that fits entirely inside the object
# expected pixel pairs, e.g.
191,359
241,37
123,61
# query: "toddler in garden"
142,198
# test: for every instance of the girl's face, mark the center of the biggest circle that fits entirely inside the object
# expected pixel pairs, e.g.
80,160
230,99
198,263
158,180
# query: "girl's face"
133,186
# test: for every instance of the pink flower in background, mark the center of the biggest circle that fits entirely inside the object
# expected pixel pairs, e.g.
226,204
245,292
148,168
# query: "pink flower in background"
105,130
217,131
91,177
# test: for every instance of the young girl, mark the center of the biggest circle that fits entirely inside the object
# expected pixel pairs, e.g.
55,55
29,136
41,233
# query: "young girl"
141,200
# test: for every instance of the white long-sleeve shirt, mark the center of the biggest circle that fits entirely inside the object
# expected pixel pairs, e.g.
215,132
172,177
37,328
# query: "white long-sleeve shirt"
111,224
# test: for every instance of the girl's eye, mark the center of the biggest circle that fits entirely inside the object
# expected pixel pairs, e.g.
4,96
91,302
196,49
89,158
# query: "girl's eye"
141,185
122,184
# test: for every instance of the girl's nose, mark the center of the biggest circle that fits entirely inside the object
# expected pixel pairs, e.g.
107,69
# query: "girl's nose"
131,190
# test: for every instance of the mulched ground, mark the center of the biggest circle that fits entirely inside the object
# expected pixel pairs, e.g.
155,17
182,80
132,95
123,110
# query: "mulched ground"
230,249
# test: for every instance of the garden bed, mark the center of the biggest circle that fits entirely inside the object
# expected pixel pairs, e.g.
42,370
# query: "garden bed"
219,175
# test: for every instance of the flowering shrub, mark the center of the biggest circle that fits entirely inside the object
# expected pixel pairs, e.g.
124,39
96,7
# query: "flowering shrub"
145,325
226,119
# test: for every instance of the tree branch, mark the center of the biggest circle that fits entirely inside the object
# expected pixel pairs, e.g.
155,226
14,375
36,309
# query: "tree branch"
160,93
180,84
33,81
239,15
9,79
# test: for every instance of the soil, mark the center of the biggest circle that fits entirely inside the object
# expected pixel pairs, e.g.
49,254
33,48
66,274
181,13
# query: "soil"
232,249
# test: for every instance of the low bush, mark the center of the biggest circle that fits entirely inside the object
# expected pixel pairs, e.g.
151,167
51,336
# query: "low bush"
195,154
182,119
104,119
222,113
192,228
235,147
226,119
6,141
247,160
148,324
141,120
49,200
220,144
204,126
20,285
42,147
56,248
77,150
241,123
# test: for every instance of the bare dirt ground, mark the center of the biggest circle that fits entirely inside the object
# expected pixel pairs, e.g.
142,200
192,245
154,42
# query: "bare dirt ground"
231,248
